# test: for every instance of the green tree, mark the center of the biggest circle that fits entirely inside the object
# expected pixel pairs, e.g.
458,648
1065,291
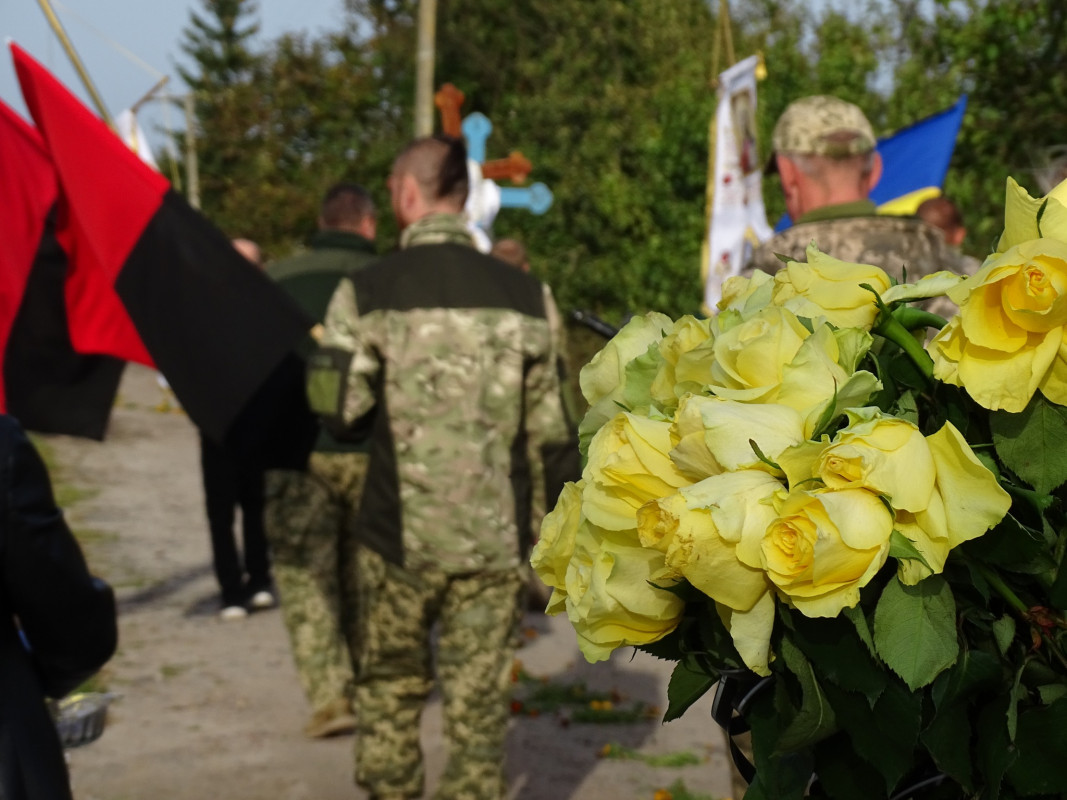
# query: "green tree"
613,113
1011,60
218,41
279,124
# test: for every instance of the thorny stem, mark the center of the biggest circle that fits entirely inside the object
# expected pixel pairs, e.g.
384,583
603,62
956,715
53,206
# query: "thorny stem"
1018,605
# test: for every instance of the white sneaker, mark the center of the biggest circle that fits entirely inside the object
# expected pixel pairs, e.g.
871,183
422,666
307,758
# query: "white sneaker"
233,612
262,599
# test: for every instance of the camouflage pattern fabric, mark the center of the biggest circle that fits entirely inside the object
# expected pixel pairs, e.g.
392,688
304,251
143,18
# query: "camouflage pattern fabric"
461,386
899,245
823,125
479,618
437,229
310,527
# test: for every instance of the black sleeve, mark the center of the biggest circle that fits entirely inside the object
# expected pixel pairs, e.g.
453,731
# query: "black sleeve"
67,615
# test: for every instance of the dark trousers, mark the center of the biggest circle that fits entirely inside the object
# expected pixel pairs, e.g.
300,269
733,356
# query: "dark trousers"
230,482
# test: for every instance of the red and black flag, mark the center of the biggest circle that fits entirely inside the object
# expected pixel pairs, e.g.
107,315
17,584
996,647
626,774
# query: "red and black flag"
44,382
221,332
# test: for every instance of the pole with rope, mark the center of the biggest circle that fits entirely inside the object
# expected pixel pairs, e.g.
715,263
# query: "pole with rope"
424,63
72,54
723,35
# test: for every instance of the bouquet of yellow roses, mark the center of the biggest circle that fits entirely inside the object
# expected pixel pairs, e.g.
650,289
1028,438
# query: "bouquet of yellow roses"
863,532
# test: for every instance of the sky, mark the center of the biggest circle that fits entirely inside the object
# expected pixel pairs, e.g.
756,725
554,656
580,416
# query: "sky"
127,45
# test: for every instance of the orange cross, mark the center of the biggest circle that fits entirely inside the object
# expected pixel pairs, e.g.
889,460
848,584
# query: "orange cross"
515,168
448,100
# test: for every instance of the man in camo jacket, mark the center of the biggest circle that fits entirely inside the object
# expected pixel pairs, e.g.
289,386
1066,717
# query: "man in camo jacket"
456,356
310,514
824,152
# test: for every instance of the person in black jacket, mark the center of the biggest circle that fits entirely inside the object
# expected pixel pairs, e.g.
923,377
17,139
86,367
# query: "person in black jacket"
57,622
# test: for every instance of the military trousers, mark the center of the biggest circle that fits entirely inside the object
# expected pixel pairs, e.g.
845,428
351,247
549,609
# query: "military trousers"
310,522
477,618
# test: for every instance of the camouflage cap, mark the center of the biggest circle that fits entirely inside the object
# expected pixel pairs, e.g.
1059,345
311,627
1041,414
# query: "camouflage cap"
825,126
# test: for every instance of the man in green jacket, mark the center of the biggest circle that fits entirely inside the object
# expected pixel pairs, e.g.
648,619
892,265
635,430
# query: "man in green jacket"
454,356
310,515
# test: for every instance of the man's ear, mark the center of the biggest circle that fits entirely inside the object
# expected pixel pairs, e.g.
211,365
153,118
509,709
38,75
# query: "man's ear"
875,173
410,195
787,171
368,227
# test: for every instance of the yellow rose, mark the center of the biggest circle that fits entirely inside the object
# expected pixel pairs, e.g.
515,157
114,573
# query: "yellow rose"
830,288
825,546
552,553
710,534
620,374
605,374
772,358
713,435
610,597
966,502
747,295
1008,340
686,361
1022,212
629,465
750,356
884,454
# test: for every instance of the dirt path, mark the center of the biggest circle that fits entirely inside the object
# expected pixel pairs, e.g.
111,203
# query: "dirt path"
212,709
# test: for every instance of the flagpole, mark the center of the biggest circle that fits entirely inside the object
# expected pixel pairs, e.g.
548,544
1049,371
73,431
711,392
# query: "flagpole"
424,61
61,34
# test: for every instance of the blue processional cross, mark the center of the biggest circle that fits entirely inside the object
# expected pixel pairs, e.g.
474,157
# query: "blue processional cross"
475,129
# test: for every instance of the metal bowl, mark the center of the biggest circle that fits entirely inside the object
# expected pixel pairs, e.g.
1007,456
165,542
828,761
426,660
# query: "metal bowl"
80,717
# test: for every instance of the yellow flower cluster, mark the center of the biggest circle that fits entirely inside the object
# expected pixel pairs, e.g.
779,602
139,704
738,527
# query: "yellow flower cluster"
1010,337
707,464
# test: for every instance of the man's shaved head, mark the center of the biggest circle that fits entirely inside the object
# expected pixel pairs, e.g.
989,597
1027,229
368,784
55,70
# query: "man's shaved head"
439,166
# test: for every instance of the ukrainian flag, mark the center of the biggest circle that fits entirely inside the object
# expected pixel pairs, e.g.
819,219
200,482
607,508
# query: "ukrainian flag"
915,161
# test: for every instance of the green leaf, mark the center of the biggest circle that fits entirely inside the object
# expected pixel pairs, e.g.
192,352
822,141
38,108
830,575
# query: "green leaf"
843,777
901,547
1041,743
1004,633
906,407
640,373
1010,545
953,691
915,629
858,618
1016,694
759,454
839,655
950,751
671,647
814,719
1051,692
1057,595
974,672
779,776
994,752
688,684
883,735
1030,442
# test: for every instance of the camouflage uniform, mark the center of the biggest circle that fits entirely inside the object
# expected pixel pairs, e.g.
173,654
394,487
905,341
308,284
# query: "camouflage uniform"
854,232
458,357
310,515
310,524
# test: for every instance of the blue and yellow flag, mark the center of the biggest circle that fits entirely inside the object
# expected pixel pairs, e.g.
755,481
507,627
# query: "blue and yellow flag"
915,161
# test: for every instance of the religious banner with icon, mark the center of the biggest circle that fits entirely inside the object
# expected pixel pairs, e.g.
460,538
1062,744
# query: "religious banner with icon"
737,220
